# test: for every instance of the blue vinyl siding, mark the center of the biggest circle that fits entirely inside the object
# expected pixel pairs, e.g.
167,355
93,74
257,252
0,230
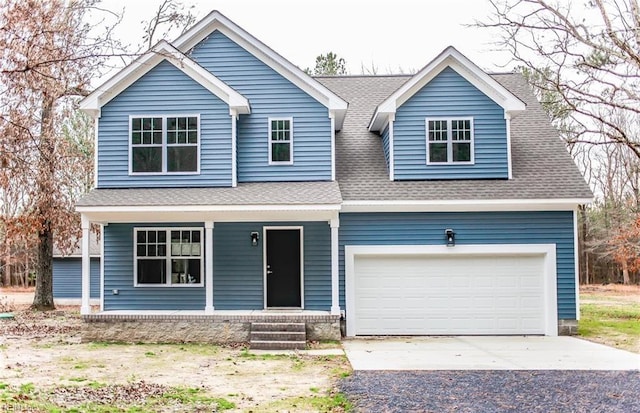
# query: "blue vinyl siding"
118,274
164,90
554,227
385,145
270,95
450,95
67,278
238,270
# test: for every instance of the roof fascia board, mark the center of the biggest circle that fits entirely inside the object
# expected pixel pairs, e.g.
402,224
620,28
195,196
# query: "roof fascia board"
139,67
217,21
206,208
569,204
450,57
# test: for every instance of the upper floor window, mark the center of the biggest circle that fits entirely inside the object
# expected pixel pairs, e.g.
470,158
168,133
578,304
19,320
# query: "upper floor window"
164,144
449,140
168,257
280,141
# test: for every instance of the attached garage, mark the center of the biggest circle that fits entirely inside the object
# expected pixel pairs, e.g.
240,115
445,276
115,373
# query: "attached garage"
462,290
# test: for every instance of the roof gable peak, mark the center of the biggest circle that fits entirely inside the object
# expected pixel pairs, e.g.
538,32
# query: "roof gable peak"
162,51
448,58
217,21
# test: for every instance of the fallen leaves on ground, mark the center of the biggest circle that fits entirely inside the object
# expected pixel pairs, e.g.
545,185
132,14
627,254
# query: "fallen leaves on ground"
116,394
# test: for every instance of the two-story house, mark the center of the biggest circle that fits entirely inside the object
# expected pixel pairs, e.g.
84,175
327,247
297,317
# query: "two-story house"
233,188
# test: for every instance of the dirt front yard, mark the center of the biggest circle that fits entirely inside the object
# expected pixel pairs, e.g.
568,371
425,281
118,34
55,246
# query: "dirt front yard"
44,365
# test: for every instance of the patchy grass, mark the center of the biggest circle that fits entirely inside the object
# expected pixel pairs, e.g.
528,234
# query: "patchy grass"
611,317
331,402
49,369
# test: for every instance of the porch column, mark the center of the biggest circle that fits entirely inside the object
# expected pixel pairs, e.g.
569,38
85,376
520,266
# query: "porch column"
335,269
85,307
208,266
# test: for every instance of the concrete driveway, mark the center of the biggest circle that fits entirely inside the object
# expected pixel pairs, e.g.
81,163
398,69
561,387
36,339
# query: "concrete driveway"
485,353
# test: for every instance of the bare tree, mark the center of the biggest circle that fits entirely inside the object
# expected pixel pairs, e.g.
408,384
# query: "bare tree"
585,55
50,54
169,17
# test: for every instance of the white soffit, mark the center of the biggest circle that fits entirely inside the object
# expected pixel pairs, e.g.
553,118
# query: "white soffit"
452,58
217,21
160,52
465,205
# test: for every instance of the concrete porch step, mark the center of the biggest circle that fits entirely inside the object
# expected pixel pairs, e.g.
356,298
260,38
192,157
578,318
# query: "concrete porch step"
278,336
292,327
277,345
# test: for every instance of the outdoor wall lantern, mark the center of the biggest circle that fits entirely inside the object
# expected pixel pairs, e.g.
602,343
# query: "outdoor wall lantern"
451,237
254,239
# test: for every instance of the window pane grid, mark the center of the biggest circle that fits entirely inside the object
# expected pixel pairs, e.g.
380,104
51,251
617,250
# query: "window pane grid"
437,130
146,131
164,144
449,140
280,140
182,130
183,259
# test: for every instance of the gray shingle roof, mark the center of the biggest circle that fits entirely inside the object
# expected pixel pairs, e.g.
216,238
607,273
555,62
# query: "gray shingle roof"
542,167
268,193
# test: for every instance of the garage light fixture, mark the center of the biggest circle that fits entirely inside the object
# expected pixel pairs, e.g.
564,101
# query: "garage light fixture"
451,237
254,239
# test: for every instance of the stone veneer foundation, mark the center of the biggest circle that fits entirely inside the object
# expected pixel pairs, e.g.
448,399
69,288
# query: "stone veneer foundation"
196,328
567,327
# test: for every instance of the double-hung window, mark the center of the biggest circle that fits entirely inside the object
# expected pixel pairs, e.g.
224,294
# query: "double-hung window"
280,141
450,140
164,144
168,257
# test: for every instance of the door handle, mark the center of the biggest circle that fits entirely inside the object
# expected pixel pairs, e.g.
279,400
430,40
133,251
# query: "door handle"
269,272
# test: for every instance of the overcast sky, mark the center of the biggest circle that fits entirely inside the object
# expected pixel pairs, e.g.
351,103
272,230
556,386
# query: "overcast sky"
393,35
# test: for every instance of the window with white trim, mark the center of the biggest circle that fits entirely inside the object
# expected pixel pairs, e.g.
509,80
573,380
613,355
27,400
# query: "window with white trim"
164,144
280,141
168,257
449,140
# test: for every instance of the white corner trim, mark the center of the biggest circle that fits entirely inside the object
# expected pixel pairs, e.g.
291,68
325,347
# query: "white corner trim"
507,119
160,52
546,250
332,117
234,148
576,262
217,21
449,57
392,152
96,125
102,268
459,205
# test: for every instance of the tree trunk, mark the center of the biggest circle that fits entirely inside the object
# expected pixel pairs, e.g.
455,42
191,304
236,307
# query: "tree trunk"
625,273
43,298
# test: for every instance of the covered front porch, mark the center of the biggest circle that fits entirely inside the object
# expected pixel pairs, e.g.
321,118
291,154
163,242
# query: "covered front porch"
203,269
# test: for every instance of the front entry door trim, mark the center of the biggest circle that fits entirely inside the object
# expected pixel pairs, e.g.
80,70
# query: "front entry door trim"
264,261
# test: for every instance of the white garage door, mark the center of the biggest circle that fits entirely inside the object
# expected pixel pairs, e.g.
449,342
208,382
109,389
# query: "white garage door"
461,294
